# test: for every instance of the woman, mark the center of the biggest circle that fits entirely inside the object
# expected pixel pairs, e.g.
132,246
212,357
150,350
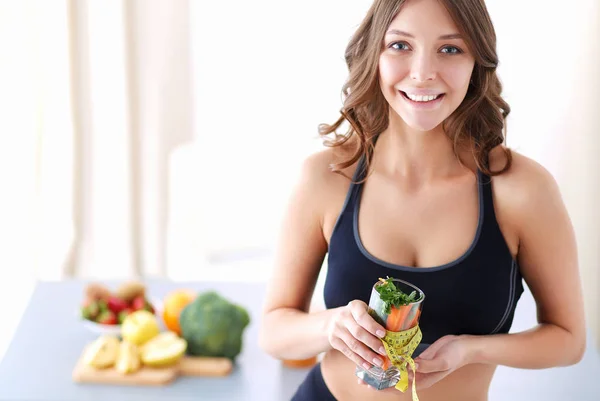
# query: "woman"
434,199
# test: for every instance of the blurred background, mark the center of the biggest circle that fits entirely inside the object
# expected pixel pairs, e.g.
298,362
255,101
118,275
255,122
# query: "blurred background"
148,138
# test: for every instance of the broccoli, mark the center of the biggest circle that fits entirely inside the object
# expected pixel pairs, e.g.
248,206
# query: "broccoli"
213,326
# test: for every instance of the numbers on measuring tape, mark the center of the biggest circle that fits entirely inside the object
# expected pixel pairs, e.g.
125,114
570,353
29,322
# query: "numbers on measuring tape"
400,347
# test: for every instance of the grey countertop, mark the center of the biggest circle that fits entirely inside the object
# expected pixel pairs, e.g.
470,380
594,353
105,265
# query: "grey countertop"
48,341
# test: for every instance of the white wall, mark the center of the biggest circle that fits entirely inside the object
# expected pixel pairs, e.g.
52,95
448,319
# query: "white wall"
550,66
265,77
579,175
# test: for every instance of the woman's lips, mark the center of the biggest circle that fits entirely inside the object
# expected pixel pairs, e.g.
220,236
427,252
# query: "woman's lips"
428,105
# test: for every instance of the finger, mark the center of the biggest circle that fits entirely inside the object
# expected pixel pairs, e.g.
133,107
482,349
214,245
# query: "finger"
430,352
360,313
432,365
374,343
363,355
343,342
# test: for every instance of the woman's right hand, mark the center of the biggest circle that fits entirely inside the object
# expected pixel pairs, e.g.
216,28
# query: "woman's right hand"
357,335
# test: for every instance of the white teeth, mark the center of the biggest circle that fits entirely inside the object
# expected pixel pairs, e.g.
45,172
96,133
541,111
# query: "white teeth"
421,98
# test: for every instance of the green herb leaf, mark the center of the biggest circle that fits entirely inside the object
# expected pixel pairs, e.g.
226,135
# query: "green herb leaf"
392,296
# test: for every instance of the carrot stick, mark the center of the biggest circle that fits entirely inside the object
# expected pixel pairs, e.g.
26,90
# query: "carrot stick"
386,363
397,316
410,319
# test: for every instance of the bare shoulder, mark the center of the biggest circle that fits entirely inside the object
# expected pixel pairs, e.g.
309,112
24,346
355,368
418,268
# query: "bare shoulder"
327,189
315,169
524,194
317,166
525,182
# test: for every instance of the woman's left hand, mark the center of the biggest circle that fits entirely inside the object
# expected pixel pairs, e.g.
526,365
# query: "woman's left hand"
443,357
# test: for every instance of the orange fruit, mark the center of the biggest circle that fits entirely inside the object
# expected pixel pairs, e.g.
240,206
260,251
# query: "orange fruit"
174,303
300,363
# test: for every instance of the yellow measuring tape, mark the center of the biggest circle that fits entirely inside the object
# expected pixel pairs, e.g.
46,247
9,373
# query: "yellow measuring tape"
400,347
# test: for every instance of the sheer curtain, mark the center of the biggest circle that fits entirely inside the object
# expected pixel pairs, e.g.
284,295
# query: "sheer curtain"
135,87
96,96
36,144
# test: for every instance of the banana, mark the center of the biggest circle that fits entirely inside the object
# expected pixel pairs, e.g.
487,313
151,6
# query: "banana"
103,352
128,360
165,349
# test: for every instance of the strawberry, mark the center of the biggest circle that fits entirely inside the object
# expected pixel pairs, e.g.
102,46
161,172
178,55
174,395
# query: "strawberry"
138,303
141,303
107,317
116,304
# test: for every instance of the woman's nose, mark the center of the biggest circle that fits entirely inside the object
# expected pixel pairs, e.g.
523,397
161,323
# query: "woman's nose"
423,68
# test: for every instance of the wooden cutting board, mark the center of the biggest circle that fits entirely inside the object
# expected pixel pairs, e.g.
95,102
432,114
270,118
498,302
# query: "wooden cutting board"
146,376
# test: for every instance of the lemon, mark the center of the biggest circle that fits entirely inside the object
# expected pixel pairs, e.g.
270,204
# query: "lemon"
163,350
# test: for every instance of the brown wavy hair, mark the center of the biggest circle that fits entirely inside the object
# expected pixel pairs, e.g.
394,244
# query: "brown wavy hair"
478,122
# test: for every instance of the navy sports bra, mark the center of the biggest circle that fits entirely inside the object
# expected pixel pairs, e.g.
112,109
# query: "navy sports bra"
475,294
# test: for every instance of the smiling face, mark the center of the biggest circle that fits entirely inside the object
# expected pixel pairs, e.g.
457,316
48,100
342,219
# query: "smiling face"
425,66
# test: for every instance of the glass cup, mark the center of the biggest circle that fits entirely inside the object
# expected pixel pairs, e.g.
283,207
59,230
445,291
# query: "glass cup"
399,319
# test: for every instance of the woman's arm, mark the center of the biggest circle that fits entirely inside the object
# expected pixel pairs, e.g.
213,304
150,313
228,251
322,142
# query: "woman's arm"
288,330
547,257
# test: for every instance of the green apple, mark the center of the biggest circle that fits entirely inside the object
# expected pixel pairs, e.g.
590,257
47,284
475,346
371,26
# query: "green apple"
139,327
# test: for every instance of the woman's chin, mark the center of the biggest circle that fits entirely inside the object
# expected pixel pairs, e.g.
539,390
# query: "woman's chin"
420,122
422,126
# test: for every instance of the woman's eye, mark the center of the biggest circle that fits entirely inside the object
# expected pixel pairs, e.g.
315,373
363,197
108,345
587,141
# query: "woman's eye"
451,50
399,46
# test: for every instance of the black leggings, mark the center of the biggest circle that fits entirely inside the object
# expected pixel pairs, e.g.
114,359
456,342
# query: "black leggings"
313,388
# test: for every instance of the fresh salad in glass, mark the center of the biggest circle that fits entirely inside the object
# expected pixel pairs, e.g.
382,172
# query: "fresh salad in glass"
397,306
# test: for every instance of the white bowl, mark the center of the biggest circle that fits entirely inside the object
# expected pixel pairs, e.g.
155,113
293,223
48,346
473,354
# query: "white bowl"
102,329
115,329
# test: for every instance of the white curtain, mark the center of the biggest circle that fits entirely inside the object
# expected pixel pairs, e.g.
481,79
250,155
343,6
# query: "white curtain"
36,148
134,81
103,95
